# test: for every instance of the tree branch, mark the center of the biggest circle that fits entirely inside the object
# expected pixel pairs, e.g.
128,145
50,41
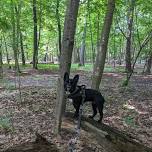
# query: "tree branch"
122,32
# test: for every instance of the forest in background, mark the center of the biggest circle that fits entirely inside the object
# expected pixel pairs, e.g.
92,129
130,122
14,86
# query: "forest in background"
130,32
98,39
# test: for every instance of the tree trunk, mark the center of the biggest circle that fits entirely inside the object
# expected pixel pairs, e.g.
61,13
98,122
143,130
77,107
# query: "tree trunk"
129,37
7,55
101,54
149,61
98,31
149,64
114,48
22,49
65,58
59,26
1,61
91,33
83,45
17,11
46,56
78,53
40,27
75,55
15,49
19,33
120,56
35,39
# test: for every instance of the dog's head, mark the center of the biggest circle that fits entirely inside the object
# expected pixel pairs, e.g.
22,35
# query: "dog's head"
70,84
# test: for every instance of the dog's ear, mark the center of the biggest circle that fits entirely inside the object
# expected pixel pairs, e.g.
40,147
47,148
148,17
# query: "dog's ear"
76,79
66,76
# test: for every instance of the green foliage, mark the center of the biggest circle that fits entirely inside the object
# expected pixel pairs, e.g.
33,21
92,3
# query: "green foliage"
94,10
125,83
129,120
5,124
48,66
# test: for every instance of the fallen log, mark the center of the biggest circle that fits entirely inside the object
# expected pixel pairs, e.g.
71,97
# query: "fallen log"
118,140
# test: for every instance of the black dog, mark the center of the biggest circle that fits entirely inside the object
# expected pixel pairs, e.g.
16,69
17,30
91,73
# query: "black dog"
75,93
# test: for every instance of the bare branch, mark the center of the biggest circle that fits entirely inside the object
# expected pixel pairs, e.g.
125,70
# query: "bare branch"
122,32
144,43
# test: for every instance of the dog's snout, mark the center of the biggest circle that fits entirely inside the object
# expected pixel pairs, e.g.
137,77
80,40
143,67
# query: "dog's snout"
68,87
67,90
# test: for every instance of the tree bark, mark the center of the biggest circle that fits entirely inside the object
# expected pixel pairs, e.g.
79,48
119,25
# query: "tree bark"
65,58
149,61
19,32
114,48
1,61
83,45
15,49
75,54
22,48
149,64
40,27
7,55
101,54
129,37
17,11
98,31
59,26
35,38
91,33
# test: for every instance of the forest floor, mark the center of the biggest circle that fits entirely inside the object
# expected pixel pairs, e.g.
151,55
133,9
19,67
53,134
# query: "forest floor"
31,110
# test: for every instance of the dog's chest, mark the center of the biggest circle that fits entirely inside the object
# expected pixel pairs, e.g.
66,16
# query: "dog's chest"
70,100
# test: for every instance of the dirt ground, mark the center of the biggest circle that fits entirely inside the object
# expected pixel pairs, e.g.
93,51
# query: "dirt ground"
31,110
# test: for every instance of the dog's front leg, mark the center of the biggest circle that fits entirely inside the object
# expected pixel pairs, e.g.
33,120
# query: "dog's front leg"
77,107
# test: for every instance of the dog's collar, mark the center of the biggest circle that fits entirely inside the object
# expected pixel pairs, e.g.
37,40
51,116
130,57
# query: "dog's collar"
79,89
75,91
